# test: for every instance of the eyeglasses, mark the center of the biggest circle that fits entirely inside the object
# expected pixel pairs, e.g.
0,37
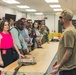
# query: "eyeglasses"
60,17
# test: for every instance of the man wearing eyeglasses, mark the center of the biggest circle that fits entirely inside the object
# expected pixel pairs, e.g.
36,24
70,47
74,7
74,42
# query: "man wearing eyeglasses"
66,55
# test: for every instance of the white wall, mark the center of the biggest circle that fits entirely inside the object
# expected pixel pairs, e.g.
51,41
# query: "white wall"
74,17
7,10
51,21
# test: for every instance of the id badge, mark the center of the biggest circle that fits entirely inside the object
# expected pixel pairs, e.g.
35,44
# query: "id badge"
3,51
34,33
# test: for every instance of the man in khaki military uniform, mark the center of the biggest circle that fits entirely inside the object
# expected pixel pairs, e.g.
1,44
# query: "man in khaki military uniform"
66,55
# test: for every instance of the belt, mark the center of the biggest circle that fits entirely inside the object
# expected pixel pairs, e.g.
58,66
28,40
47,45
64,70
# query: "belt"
5,48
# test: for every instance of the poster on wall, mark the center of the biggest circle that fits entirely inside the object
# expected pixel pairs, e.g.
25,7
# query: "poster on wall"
10,16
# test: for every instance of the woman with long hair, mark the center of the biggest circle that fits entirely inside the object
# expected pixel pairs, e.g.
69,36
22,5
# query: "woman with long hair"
6,45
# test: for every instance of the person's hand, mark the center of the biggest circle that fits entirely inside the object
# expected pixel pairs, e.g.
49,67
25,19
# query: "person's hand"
21,56
37,38
55,63
54,72
56,69
30,44
1,63
48,42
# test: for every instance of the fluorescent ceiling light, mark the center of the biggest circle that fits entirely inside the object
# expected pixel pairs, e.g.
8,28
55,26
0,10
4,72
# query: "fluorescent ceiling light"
57,9
31,10
22,6
52,1
11,1
39,13
55,6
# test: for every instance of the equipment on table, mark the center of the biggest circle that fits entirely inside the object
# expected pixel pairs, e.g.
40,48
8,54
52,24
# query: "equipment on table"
24,62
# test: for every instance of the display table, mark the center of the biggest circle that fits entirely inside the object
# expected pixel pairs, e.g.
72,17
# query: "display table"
43,56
